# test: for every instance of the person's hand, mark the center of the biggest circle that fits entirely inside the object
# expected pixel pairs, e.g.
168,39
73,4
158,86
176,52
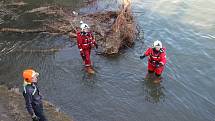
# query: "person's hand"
158,65
71,34
96,46
82,54
83,57
35,118
142,56
81,51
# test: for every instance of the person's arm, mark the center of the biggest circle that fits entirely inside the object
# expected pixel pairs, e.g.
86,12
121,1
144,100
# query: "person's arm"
79,40
93,40
28,101
79,43
163,58
146,53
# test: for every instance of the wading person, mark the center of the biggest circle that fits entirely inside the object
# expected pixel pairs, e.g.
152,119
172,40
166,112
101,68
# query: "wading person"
32,95
156,58
86,42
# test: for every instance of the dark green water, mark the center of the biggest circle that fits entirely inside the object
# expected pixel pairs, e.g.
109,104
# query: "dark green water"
118,91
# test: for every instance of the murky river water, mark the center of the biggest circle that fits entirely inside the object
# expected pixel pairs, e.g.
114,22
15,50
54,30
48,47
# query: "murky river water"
118,91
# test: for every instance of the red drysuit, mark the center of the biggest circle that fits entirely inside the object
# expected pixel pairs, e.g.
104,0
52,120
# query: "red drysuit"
154,58
85,41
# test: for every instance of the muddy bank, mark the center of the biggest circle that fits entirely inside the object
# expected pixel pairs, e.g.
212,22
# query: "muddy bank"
12,107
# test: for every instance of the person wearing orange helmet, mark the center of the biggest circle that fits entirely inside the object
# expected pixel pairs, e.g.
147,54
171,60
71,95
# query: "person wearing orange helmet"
32,95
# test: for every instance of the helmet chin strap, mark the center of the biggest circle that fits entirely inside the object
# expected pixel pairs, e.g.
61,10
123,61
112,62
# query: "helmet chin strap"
84,33
154,48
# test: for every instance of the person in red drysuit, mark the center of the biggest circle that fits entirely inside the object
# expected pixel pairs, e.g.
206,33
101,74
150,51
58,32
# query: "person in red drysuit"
156,58
85,42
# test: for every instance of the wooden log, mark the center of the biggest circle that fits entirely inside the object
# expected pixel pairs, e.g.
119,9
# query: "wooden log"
21,30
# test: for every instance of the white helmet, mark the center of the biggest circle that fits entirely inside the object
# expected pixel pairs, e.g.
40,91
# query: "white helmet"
157,44
83,26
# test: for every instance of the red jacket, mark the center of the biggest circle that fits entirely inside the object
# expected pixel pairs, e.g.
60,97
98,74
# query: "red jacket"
160,56
85,41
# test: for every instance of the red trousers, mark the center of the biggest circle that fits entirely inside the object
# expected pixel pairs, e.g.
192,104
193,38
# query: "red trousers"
152,67
86,58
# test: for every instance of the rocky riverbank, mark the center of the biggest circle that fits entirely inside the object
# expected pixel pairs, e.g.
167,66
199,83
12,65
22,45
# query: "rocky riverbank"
12,107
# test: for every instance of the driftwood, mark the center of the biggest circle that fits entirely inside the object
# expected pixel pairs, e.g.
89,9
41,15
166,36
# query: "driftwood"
20,3
21,30
123,31
16,30
38,9
114,29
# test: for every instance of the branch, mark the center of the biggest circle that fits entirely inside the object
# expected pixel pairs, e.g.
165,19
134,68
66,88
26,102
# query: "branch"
21,30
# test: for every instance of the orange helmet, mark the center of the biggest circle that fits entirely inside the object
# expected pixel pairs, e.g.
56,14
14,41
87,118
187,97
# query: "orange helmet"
29,74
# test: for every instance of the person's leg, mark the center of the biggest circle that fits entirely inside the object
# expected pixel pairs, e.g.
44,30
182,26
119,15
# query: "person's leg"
150,67
38,109
82,54
158,71
157,75
88,64
150,73
87,60
91,64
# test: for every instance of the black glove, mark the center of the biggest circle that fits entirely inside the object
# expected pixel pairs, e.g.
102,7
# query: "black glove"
96,46
142,56
83,56
35,118
158,65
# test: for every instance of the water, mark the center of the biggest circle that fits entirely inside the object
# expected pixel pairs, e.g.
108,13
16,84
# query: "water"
118,92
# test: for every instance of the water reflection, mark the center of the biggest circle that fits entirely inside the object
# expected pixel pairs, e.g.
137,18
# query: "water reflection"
88,79
154,92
